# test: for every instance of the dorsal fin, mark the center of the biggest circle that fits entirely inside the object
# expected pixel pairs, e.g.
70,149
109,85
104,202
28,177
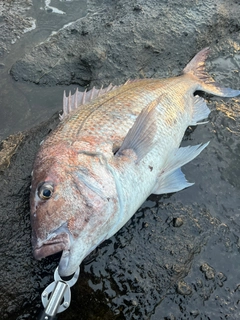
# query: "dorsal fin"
79,98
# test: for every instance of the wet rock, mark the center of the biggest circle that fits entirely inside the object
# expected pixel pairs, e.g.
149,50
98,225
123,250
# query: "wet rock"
170,317
91,51
218,300
16,262
14,23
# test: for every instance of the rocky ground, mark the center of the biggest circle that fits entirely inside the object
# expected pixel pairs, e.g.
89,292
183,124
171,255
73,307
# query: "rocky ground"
178,257
14,22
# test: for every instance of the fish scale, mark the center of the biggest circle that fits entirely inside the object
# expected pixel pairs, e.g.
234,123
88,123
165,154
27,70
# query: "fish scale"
90,114
113,148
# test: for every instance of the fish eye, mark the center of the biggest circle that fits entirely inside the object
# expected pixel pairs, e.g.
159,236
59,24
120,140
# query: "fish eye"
45,191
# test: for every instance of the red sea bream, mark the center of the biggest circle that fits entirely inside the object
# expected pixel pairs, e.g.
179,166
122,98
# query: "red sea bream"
113,148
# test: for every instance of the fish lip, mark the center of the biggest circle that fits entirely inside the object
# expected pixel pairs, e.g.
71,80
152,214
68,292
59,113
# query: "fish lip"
56,242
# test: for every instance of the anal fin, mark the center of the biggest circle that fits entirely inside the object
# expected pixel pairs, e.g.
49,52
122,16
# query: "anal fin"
171,179
200,111
173,182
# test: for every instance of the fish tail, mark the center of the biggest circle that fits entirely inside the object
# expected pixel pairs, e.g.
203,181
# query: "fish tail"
196,67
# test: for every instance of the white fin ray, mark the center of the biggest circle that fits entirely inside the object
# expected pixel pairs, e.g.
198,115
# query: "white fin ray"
200,111
140,138
174,182
79,98
172,179
196,67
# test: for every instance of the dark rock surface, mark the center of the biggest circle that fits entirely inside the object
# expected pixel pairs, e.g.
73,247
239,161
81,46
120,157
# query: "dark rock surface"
119,40
14,22
178,257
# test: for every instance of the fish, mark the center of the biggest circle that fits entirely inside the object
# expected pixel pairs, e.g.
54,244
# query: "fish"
114,147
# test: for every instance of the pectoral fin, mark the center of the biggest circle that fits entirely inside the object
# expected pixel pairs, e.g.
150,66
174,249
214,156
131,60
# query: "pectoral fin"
171,179
140,138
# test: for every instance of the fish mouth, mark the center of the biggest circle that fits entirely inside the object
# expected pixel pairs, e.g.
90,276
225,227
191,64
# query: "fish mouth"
57,241
54,243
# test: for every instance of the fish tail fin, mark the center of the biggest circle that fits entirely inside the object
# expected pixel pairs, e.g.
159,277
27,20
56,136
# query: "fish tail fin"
196,67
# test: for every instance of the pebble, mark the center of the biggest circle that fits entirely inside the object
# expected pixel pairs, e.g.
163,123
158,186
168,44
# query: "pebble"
208,271
221,278
194,313
177,222
183,288
134,303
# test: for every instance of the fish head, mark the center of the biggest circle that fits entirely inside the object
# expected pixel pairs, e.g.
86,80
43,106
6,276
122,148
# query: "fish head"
73,205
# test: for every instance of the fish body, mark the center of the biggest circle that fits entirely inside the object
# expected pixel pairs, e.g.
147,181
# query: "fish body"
116,147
